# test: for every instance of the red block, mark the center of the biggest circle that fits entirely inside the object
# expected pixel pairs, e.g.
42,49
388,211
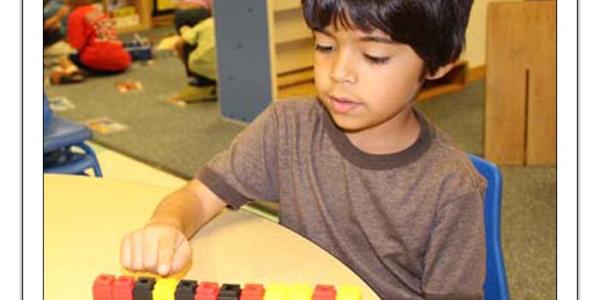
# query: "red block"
324,292
123,288
103,286
207,291
253,292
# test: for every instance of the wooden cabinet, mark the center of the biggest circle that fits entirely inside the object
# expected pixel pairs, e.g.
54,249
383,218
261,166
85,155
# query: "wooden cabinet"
520,92
292,49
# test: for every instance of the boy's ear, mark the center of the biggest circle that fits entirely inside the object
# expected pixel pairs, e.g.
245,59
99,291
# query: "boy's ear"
441,71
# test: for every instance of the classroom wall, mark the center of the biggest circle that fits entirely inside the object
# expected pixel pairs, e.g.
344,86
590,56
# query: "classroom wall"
476,33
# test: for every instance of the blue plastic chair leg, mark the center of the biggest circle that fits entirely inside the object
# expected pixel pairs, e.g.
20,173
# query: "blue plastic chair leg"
91,152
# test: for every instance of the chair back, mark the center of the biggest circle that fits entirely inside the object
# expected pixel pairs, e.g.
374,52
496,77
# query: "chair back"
496,284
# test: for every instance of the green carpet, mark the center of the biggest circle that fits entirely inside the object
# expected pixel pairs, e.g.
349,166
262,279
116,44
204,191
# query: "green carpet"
460,115
181,139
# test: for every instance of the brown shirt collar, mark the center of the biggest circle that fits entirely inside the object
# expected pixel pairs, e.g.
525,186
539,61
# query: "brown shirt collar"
365,160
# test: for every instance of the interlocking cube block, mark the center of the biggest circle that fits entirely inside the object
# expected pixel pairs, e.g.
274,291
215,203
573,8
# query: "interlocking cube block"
103,286
165,289
276,291
348,292
253,291
229,292
300,292
186,290
324,292
207,291
123,288
143,288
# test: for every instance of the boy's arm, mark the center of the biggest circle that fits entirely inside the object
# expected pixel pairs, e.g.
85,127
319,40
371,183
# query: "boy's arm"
53,20
454,266
188,208
76,33
162,245
247,170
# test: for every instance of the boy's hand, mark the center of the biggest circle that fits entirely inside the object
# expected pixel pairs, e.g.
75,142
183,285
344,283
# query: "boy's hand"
157,248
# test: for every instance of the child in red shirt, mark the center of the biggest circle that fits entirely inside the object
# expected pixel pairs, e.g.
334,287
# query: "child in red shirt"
91,32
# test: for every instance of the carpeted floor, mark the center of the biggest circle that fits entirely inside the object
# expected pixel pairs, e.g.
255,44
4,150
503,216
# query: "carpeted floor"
174,138
180,139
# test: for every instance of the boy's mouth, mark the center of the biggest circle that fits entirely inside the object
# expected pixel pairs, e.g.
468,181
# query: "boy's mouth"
342,105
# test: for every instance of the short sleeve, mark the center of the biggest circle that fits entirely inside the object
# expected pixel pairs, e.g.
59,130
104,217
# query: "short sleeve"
248,169
455,258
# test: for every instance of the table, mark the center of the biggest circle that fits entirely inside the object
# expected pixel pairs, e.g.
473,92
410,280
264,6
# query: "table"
85,219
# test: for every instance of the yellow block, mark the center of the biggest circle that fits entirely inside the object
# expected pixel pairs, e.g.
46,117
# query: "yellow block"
276,291
178,276
164,289
348,292
300,292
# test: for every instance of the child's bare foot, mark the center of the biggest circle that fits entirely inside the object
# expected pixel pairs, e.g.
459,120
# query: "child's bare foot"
62,76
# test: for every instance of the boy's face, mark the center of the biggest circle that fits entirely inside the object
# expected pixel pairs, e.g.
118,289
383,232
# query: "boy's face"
365,80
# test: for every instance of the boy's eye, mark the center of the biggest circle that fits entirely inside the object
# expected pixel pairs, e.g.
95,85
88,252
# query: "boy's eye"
323,48
376,60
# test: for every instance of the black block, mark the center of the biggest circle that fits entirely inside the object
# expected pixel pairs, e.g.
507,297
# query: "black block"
186,290
143,288
229,292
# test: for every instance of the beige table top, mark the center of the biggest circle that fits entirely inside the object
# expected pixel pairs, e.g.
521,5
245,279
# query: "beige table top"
85,218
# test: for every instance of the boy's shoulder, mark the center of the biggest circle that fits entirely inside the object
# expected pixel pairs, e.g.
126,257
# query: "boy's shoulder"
451,163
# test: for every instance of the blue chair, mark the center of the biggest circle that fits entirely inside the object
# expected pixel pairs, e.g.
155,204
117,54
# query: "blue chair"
496,285
65,151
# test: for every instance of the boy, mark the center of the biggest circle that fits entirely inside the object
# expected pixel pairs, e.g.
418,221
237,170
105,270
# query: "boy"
359,172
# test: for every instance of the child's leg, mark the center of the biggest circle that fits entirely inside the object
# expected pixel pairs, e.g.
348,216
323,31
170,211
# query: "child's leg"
67,65
65,71
91,71
199,88
179,49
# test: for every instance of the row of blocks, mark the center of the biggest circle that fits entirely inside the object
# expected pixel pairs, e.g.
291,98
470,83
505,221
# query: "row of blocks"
107,287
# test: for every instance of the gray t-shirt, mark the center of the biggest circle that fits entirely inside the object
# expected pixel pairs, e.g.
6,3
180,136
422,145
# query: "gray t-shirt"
410,224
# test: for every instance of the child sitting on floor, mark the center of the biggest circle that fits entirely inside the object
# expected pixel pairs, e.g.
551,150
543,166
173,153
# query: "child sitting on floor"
56,50
196,49
92,33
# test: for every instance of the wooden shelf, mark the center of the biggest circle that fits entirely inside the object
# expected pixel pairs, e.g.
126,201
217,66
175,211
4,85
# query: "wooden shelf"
143,9
131,29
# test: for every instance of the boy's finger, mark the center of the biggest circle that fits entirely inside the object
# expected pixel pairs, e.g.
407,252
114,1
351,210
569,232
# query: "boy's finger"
183,253
126,251
150,248
137,251
166,248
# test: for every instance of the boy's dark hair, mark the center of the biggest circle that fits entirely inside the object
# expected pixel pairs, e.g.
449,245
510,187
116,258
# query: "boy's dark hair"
435,29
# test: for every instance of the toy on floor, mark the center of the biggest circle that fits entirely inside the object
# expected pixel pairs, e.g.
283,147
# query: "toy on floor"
139,48
108,287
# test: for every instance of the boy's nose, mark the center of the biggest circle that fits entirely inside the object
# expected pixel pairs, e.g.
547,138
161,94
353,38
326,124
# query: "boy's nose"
342,71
